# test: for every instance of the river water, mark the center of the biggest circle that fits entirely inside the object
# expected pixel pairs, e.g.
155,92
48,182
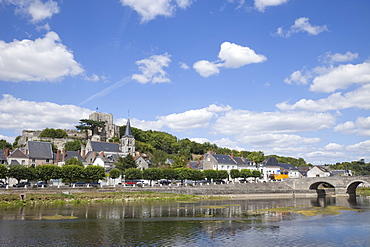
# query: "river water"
234,222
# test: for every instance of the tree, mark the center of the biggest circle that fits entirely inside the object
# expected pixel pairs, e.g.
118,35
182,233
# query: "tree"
168,173
115,173
183,173
159,157
89,124
234,173
19,172
73,162
257,157
4,144
3,172
72,173
94,173
46,172
126,163
197,175
179,162
245,173
222,174
73,145
53,133
210,174
152,174
132,173
256,174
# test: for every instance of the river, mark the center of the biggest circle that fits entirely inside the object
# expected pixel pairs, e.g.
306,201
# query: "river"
232,222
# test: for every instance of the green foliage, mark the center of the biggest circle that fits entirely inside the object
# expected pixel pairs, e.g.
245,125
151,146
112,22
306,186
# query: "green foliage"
152,174
125,163
73,145
357,167
168,173
210,174
3,172
72,173
222,174
245,173
256,174
94,173
15,143
235,173
115,173
257,157
4,144
53,133
132,173
183,173
73,162
19,172
114,139
159,157
47,172
180,161
89,124
197,175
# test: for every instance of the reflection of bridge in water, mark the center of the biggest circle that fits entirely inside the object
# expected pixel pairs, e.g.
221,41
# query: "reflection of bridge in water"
329,185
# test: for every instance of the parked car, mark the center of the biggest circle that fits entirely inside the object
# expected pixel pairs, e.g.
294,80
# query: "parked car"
219,181
22,184
131,183
80,184
3,184
94,184
164,182
243,180
41,184
141,183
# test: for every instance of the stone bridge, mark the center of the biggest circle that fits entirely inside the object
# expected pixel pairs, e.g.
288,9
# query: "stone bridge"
329,185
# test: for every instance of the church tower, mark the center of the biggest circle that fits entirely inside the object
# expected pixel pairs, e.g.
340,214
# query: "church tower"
128,140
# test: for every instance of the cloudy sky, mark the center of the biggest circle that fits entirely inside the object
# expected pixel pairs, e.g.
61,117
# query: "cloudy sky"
288,77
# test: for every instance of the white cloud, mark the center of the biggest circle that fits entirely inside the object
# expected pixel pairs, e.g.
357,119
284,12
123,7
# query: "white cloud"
361,127
243,122
358,98
7,138
341,77
361,147
200,140
235,56
37,9
338,57
333,147
262,4
152,69
231,56
301,25
184,66
45,59
21,114
206,68
297,77
150,9
40,10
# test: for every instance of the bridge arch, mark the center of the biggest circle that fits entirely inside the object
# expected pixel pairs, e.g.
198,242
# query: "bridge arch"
323,188
351,188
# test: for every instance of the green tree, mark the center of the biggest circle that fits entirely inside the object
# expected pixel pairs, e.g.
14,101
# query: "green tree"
179,162
256,174
257,157
53,133
46,172
89,124
210,174
183,173
19,172
222,174
197,175
72,173
3,172
245,173
73,145
159,157
132,173
152,174
73,162
168,173
234,173
4,144
94,173
115,173
15,143
126,163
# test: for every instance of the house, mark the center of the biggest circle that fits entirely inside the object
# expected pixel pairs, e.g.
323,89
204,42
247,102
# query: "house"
39,153
289,170
4,153
340,173
17,157
270,168
218,162
318,171
103,161
66,155
141,163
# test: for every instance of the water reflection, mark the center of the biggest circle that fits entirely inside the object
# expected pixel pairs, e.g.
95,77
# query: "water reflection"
184,223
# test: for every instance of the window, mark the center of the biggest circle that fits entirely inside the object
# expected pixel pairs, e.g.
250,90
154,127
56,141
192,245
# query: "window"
33,160
47,160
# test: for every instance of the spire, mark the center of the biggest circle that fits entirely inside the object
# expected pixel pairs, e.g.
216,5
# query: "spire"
128,131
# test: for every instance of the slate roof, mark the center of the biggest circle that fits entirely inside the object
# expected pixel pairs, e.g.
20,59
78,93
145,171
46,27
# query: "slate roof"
271,161
128,132
105,146
72,154
39,150
2,154
224,159
17,154
288,166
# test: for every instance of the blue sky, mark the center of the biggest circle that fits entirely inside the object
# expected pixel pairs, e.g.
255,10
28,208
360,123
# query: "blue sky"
286,77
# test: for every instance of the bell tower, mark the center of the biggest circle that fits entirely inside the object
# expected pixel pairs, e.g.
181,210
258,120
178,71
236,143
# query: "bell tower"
128,140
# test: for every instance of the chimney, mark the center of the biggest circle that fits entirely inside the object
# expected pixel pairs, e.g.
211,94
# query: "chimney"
64,155
79,151
232,155
6,152
58,157
102,153
84,154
